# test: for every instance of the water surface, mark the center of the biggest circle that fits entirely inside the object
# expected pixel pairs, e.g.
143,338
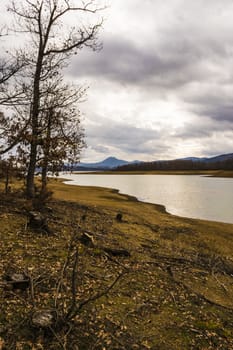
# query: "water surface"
184,195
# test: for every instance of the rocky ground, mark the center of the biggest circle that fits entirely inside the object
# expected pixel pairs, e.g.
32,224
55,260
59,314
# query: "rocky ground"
112,273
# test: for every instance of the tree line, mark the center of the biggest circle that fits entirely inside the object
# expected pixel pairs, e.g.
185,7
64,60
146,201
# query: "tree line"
180,165
40,120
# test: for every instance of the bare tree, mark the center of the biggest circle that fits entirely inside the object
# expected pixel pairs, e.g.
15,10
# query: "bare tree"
53,41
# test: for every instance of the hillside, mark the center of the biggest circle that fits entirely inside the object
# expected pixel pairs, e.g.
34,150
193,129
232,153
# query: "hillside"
222,162
220,158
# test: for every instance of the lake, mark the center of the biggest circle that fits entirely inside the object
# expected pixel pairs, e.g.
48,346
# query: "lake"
190,196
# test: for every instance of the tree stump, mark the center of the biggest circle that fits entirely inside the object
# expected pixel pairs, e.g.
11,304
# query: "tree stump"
38,222
87,240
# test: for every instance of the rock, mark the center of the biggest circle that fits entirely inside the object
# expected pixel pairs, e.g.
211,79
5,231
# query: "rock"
38,222
119,217
43,318
117,252
17,281
87,240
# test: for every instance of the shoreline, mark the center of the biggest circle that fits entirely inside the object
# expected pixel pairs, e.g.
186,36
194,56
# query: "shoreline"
209,173
117,191
110,200
132,197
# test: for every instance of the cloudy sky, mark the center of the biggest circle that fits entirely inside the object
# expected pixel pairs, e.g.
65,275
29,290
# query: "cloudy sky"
162,86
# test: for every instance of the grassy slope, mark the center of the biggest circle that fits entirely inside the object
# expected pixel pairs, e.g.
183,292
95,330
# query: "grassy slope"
178,289
150,233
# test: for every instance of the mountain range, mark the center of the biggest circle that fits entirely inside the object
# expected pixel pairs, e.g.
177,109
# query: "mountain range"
113,162
221,158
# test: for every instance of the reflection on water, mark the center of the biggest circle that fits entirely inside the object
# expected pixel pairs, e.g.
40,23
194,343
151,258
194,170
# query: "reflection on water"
185,195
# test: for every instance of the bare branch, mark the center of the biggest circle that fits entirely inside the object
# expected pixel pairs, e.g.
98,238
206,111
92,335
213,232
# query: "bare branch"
64,268
73,284
77,308
90,36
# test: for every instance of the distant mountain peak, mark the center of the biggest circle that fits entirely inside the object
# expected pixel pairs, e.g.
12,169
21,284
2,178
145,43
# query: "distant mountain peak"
111,159
108,163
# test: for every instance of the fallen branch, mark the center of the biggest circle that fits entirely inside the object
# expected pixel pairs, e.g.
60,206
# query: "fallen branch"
117,252
73,285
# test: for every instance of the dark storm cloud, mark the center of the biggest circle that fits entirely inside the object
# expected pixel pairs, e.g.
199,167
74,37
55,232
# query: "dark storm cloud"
202,128
176,60
222,113
192,132
217,106
130,139
124,62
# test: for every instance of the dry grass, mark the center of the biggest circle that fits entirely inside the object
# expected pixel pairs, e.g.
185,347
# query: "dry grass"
176,293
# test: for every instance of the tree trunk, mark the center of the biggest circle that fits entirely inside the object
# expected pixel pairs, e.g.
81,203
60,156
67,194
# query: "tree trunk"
7,180
47,145
30,186
44,178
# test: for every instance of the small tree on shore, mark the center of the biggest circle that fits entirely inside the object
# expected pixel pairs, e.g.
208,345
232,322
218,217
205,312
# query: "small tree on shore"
61,136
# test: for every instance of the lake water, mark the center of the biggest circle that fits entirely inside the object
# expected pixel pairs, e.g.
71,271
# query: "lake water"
184,195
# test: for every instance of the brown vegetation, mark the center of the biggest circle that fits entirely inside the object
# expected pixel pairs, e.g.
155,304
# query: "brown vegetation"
171,289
